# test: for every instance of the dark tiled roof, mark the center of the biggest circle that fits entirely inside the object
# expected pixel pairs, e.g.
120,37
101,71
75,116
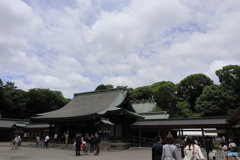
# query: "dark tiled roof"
183,121
90,104
143,107
8,123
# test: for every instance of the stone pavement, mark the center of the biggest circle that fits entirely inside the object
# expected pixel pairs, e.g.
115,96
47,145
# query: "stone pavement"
30,153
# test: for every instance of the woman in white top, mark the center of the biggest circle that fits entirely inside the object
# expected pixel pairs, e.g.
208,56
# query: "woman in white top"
192,150
37,141
224,150
17,140
232,146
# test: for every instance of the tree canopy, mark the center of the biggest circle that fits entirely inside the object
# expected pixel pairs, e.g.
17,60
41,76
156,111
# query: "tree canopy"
191,87
194,96
16,103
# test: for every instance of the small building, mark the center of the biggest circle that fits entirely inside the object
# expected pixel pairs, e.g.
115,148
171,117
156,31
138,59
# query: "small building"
27,131
145,109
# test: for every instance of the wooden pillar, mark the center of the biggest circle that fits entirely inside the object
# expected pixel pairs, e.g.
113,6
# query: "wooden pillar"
140,138
182,131
179,133
203,136
159,132
50,129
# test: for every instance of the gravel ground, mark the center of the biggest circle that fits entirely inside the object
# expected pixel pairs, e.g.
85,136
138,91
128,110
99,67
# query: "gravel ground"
24,153
28,153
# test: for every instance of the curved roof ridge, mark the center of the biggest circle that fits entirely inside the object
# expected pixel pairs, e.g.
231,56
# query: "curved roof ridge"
88,104
98,91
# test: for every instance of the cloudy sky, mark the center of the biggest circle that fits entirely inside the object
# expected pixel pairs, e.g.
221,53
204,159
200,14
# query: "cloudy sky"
74,46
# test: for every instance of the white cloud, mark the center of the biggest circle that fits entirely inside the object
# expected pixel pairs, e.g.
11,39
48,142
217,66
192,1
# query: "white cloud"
75,46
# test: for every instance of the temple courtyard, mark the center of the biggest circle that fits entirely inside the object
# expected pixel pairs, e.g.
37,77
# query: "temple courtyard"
31,153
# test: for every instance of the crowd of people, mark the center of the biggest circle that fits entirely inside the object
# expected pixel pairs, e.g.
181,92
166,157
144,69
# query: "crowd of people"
87,143
190,148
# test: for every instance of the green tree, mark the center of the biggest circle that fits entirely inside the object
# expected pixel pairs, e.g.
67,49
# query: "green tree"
216,101
1,97
165,95
229,77
10,85
191,87
101,87
120,86
155,86
184,109
141,93
14,105
44,100
109,86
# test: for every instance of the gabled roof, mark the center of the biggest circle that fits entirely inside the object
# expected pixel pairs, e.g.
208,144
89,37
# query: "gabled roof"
143,106
18,124
105,121
91,104
8,123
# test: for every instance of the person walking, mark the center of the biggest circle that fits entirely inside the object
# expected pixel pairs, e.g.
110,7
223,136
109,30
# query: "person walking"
92,141
224,150
183,145
17,141
209,146
169,149
46,140
66,137
37,141
157,149
14,141
97,143
87,139
78,140
192,150
233,148
55,138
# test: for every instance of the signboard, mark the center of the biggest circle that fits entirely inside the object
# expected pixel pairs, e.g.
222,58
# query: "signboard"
215,131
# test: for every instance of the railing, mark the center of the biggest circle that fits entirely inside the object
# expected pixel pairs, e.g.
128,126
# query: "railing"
147,142
137,142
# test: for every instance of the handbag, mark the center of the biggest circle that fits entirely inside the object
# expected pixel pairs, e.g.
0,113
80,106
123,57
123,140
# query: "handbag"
233,149
74,144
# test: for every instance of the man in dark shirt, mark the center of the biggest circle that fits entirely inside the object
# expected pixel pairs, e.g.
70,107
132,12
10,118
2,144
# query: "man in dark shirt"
78,140
183,144
92,141
97,143
209,146
157,149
